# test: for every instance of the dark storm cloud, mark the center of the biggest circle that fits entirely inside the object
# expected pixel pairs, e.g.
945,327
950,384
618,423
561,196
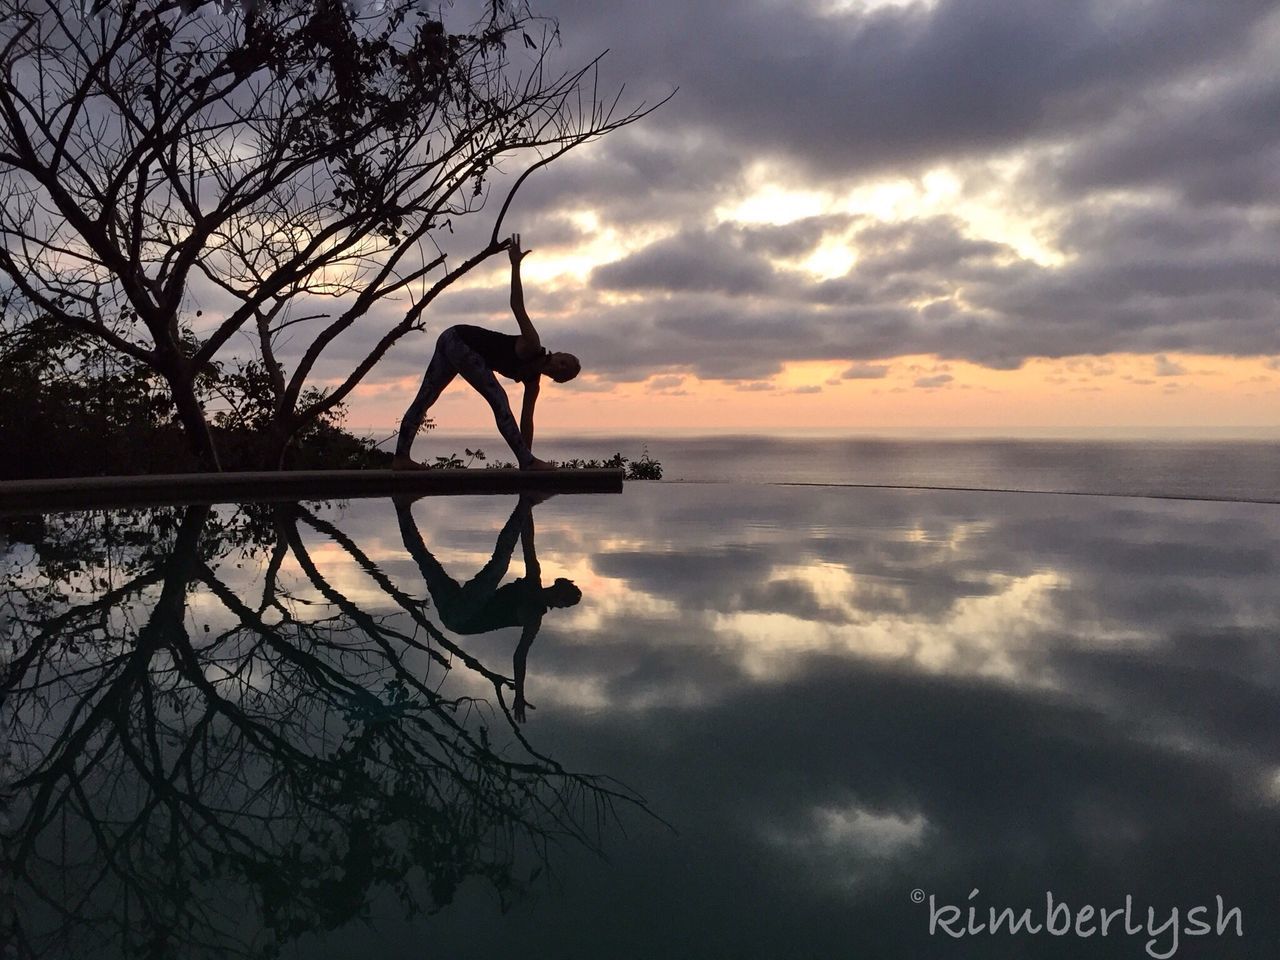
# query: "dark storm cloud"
689,263
634,177
926,286
903,85
666,383
1151,157
933,381
1218,145
730,258
866,371
937,244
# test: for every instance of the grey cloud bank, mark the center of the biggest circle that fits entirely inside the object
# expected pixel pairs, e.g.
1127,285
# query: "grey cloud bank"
1146,148
1136,140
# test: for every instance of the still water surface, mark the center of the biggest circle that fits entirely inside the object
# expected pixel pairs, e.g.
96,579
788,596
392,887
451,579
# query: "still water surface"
1196,468
758,722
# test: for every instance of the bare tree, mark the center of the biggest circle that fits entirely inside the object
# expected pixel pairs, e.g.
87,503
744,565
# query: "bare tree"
294,161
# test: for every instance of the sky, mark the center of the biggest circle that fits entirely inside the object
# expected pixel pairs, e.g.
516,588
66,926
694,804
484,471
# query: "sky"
869,216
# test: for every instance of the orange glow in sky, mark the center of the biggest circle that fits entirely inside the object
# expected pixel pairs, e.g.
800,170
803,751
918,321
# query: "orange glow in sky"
1092,395
912,393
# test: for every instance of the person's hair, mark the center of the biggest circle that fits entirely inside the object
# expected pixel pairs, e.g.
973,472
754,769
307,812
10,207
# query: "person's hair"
575,368
562,593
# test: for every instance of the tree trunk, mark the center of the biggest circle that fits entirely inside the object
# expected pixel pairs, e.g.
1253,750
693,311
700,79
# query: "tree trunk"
279,436
194,424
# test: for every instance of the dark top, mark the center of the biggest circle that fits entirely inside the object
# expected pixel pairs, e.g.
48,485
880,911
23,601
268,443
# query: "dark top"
498,350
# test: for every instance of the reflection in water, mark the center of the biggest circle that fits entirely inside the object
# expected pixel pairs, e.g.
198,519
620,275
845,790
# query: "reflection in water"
197,767
484,603
835,696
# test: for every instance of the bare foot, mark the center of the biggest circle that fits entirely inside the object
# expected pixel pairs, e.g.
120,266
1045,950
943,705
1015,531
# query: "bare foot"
407,463
536,464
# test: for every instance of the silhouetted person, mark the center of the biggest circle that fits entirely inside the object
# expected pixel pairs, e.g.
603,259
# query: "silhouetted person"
476,353
484,603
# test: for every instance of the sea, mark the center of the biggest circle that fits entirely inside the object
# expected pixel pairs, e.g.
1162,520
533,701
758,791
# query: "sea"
1198,469
805,698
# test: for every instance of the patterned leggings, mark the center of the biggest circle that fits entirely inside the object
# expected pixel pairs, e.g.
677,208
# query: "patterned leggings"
453,357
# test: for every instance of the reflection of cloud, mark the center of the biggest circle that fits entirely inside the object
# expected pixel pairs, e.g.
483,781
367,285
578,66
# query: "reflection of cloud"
931,688
836,695
1032,596
867,832
847,839
989,636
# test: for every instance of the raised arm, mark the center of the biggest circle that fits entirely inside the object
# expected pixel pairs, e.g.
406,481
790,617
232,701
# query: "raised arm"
532,574
532,569
529,343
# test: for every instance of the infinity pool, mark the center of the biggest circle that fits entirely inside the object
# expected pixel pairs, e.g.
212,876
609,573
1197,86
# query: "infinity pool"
757,722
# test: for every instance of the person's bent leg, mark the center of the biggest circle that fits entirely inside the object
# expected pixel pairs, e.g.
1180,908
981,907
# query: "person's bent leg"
440,373
443,588
477,373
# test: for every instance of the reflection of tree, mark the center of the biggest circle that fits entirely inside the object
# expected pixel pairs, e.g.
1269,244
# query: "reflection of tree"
186,789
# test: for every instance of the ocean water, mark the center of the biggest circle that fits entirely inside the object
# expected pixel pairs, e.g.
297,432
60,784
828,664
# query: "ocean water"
1227,469
765,721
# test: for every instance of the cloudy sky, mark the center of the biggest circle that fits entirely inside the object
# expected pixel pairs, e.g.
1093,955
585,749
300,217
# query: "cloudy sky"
869,215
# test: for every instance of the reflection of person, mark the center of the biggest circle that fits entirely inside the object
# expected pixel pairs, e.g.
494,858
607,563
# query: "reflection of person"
484,603
477,353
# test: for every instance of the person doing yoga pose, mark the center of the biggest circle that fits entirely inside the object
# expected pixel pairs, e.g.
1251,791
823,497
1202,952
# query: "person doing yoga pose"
476,353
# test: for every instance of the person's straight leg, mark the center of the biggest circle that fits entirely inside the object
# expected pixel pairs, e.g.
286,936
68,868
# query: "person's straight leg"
440,373
477,373
479,590
444,589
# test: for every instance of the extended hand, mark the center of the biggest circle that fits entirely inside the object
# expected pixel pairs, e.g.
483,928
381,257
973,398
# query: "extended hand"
520,706
514,251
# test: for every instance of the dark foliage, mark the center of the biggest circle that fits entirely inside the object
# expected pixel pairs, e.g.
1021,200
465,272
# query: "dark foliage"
305,158
69,406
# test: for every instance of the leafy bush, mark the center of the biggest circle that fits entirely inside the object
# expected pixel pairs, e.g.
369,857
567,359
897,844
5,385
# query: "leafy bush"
70,407
646,468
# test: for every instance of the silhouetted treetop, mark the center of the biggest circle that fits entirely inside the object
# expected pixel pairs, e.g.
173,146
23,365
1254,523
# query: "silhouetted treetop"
262,168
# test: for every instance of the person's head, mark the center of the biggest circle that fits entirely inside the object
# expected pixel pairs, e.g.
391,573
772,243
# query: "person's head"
561,367
562,593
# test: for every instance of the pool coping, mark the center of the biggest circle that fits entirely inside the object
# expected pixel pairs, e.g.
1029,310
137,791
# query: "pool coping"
87,493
